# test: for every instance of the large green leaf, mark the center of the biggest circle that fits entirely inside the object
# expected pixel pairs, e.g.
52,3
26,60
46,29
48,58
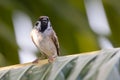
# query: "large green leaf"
99,65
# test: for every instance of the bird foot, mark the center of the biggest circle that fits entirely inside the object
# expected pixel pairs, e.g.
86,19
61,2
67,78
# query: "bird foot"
51,59
36,61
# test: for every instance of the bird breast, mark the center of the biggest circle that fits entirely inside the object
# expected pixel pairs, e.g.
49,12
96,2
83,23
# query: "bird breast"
44,43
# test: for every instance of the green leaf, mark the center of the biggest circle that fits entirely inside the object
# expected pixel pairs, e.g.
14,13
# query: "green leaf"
99,65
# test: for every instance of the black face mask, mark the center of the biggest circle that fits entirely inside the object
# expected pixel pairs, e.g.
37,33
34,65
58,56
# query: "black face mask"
43,27
44,24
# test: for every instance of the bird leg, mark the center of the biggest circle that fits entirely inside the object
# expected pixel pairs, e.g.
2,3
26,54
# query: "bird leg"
40,58
52,59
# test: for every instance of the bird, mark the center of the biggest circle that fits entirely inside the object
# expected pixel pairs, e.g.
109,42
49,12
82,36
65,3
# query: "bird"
45,39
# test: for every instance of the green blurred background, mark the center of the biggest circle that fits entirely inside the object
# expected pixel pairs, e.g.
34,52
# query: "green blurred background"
81,26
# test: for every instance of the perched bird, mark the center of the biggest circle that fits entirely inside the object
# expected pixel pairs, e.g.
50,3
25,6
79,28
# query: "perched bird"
45,38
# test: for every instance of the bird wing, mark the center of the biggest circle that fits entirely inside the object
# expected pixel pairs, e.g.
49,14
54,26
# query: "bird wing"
34,37
55,40
31,34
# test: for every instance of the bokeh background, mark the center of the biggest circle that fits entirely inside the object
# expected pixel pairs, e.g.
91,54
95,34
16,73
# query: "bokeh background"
81,26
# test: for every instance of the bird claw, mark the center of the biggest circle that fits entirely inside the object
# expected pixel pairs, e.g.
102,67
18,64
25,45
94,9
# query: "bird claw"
51,59
36,61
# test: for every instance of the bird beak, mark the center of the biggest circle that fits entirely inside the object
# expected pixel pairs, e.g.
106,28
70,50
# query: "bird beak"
44,22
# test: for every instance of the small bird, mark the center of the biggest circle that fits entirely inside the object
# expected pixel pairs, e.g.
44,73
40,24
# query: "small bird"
45,39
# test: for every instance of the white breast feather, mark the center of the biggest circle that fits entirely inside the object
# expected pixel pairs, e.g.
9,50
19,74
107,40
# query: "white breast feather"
44,43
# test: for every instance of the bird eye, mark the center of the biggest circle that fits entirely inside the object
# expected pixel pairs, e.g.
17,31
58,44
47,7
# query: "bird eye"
36,24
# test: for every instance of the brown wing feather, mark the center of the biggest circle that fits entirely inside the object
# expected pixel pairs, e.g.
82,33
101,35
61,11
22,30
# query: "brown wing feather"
55,40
